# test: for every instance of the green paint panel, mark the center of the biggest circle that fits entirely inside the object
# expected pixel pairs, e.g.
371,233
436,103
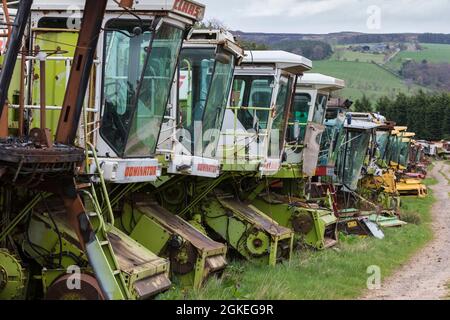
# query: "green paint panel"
55,74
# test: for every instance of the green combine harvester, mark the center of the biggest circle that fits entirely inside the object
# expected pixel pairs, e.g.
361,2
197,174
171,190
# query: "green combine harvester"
284,196
250,146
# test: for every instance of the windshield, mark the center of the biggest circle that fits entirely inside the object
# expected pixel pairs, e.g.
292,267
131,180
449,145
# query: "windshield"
352,154
395,150
299,118
331,138
382,143
320,108
279,121
137,82
203,94
253,92
404,153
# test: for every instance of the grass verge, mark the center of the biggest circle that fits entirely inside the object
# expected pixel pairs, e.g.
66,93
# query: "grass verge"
339,273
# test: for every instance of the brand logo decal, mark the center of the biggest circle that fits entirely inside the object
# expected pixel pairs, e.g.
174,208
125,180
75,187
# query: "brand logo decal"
188,8
140,171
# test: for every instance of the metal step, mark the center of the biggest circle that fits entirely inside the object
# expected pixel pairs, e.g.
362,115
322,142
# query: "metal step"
179,226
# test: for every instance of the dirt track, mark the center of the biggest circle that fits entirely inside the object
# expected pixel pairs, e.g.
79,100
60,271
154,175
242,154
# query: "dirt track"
426,275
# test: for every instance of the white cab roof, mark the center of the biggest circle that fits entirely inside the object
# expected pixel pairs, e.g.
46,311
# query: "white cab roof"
187,8
320,81
201,37
361,125
284,60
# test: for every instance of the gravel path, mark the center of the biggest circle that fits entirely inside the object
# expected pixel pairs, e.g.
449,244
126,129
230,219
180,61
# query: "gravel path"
426,275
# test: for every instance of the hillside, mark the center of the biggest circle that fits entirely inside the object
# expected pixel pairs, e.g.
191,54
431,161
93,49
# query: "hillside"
433,53
371,64
364,78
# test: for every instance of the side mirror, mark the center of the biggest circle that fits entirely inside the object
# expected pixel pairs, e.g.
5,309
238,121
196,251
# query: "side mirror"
137,31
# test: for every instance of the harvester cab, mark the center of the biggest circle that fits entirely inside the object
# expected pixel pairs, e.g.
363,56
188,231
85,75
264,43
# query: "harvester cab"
256,122
284,200
251,147
308,116
378,183
335,117
198,102
118,83
356,149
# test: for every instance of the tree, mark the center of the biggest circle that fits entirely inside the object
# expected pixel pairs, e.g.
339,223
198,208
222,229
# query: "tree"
425,114
212,23
382,105
363,105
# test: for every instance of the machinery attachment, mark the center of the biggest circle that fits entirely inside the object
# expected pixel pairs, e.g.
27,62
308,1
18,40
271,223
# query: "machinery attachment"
247,230
193,256
313,225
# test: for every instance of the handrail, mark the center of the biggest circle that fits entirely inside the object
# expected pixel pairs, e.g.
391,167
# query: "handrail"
102,183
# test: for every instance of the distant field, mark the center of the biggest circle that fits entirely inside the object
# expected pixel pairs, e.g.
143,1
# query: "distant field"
433,53
347,55
363,78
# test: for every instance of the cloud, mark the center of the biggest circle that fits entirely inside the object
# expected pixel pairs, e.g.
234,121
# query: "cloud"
291,8
323,16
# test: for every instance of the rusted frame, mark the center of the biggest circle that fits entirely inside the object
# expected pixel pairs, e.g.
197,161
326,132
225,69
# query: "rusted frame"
80,72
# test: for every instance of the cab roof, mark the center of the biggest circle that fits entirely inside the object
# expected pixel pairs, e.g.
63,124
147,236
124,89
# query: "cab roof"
287,61
186,8
215,37
361,125
321,82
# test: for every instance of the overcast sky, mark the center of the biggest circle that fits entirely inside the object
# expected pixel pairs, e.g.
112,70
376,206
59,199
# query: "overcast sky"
325,16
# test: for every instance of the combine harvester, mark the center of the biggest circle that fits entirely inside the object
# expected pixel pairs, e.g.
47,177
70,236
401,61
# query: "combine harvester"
195,114
249,147
47,230
346,148
378,184
401,144
283,196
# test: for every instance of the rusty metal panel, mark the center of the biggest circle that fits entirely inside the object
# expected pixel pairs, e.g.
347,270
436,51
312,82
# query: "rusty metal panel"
79,75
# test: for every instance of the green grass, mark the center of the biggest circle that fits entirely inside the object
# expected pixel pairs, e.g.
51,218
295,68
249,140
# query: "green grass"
348,55
363,78
433,53
339,273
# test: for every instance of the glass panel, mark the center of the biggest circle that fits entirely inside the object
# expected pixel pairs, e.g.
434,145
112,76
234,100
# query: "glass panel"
253,91
351,157
281,106
395,155
325,145
320,108
154,92
299,118
124,59
382,143
196,69
214,112
404,153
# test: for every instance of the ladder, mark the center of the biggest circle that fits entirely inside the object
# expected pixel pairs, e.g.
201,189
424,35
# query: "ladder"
99,248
